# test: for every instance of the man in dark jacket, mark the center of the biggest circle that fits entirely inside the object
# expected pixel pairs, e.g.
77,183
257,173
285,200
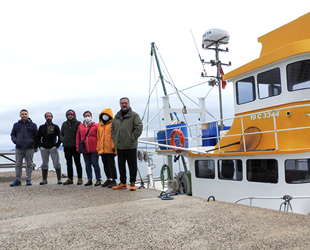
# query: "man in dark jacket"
48,138
126,129
23,136
67,137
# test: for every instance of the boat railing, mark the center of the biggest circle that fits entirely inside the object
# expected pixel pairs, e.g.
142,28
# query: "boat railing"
197,137
286,204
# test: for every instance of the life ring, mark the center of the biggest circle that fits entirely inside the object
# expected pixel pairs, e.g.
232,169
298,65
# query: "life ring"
181,138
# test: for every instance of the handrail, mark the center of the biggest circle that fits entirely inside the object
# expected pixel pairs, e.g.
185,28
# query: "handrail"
286,204
197,128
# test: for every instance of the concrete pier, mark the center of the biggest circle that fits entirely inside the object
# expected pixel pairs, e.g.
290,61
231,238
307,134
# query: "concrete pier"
77,217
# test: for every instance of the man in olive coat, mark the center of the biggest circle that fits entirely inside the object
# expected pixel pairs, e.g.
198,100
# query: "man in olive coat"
126,129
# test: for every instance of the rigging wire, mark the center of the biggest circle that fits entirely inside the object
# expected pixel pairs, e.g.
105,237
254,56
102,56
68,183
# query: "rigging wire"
199,54
184,107
177,91
150,94
181,91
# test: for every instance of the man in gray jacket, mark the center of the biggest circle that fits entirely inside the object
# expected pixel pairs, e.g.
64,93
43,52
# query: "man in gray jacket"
126,129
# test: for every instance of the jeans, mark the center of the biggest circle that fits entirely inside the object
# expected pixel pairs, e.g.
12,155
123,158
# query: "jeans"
69,153
129,155
109,166
20,154
92,159
45,154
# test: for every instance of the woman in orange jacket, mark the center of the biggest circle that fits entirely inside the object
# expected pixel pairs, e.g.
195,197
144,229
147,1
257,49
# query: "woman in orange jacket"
105,147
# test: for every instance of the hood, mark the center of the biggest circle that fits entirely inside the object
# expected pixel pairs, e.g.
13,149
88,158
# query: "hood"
107,111
71,110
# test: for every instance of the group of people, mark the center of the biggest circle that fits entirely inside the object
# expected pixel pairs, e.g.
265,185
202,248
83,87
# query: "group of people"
112,136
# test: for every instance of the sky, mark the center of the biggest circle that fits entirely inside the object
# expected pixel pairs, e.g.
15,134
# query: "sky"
86,55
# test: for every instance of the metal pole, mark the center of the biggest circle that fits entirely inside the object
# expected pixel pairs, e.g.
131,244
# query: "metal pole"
218,76
160,74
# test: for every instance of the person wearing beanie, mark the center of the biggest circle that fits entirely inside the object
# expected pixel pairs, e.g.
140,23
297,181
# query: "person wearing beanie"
68,137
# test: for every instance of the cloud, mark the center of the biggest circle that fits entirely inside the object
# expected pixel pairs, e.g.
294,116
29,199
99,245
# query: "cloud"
86,55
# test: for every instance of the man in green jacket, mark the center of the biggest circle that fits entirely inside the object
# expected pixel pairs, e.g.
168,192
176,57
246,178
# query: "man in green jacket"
126,129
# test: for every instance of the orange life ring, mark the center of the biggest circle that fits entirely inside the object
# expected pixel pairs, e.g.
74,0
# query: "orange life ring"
181,138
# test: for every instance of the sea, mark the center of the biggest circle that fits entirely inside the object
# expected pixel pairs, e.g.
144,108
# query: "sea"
147,159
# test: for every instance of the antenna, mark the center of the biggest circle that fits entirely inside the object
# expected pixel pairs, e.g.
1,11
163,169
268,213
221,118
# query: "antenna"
212,39
201,60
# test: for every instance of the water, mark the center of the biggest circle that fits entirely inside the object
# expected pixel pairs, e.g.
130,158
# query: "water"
156,160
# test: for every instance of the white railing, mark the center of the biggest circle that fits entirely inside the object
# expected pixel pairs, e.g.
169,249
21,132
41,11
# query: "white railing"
197,140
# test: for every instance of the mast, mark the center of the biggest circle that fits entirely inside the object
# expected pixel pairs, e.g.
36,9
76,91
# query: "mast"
219,78
153,51
212,39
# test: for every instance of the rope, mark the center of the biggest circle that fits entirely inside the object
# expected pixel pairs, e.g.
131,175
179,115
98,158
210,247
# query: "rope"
164,181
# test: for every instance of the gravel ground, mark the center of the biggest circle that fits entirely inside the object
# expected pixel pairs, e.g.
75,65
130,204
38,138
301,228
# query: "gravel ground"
77,217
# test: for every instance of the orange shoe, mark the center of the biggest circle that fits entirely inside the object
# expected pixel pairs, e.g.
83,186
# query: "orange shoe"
132,186
120,186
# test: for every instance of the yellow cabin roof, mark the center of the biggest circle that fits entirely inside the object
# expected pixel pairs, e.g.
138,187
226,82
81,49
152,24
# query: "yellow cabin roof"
288,40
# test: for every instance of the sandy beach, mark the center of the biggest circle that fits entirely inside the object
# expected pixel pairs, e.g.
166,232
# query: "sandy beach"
77,217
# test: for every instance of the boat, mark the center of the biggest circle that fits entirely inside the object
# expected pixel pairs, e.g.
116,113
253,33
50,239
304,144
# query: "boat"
263,158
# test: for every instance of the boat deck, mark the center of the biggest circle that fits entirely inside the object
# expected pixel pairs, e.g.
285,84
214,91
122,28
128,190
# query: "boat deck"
78,217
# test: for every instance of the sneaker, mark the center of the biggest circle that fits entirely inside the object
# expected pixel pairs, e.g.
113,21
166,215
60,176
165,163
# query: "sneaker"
28,183
68,182
132,186
120,186
112,184
16,183
89,183
106,183
80,181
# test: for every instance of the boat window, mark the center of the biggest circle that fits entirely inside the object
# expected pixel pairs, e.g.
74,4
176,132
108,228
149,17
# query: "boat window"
245,90
205,169
298,75
269,83
262,170
297,171
230,170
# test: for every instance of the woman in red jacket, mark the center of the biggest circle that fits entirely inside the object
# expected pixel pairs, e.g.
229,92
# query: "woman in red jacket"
90,155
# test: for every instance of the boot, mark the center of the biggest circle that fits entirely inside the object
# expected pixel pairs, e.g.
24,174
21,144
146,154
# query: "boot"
68,182
89,183
44,176
80,181
58,172
98,182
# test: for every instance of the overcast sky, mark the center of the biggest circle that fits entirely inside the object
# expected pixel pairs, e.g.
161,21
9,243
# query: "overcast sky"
85,55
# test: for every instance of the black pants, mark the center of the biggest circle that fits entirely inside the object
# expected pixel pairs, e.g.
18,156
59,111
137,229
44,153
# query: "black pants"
129,155
69,153
109,166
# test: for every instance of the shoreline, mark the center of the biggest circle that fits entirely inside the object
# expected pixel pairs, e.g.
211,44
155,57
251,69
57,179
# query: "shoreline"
70,217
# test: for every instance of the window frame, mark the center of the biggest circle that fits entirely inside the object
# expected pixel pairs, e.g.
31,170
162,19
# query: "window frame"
206,176
245,80
270,84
